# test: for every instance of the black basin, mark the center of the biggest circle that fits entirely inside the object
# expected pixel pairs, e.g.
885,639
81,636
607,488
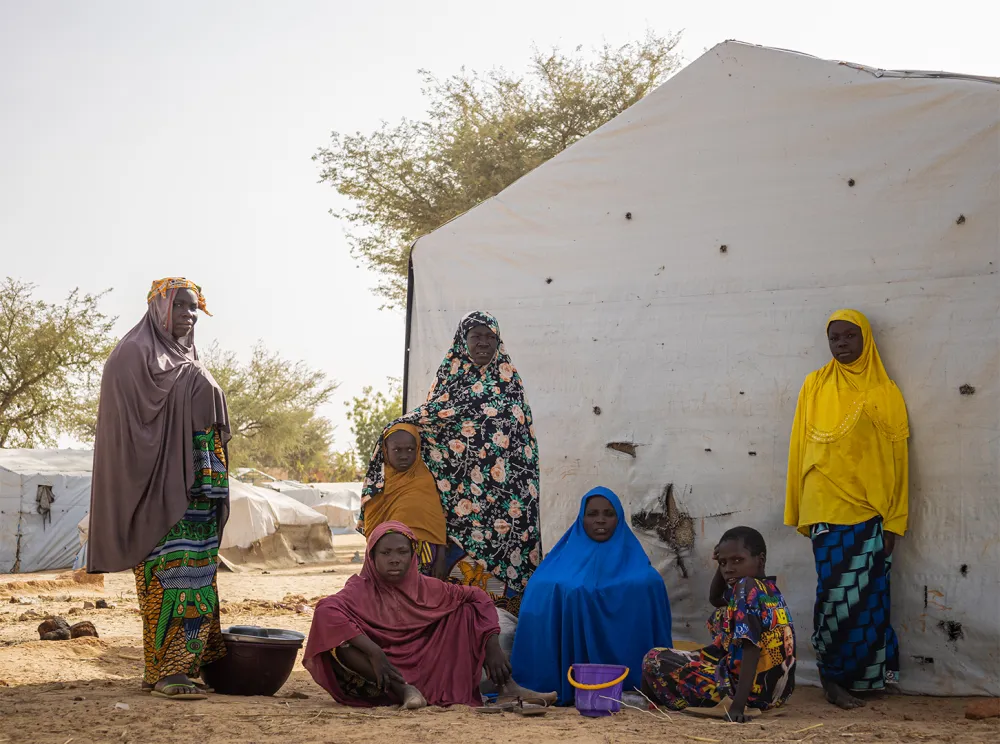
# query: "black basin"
258,660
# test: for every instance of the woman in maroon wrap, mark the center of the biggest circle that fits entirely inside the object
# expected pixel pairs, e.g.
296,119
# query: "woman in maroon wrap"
392,636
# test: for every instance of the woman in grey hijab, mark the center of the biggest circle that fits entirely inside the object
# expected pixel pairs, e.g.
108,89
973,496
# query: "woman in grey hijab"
160,493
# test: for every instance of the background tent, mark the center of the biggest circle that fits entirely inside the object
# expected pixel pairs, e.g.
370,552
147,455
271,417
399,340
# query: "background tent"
265,527
43,496
271,528
340,503
662,286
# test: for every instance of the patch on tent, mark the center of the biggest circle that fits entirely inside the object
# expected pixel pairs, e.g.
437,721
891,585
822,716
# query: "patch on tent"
671,525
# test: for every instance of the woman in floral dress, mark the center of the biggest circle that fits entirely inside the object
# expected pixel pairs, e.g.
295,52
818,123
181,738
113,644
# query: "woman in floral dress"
478,442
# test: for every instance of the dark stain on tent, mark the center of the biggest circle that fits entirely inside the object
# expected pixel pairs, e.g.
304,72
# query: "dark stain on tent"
671,525
952,629
967,390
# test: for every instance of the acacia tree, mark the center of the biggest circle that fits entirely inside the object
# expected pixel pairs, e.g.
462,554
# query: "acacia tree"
483,131
272,411
51,357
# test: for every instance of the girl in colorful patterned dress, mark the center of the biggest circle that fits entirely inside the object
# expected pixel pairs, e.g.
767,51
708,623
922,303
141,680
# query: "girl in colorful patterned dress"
751,630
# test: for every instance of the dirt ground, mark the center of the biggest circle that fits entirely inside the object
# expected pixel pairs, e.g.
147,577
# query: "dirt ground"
74,692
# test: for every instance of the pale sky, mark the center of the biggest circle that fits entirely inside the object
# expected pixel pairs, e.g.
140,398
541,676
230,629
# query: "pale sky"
141,140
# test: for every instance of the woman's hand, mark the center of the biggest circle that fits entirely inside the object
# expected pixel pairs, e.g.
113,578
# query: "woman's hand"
496,666
889,542
386,675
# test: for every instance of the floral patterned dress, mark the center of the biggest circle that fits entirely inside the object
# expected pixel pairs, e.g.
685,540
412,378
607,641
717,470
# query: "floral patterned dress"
478,441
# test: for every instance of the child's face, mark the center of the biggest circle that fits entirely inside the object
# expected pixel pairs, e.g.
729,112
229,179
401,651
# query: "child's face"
736,563
392,557
401,450
599,519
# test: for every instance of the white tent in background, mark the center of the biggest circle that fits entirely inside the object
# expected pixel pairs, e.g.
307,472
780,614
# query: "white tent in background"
43,496
340,503
264,527
662,286
269,527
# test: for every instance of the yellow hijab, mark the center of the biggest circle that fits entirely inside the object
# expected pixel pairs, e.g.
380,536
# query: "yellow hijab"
861,481
410,497
838,393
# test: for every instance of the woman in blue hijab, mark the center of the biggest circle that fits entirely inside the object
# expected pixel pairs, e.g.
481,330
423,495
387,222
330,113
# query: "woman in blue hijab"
595,599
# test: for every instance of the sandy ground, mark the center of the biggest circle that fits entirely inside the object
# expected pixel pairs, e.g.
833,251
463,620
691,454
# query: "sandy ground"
69,692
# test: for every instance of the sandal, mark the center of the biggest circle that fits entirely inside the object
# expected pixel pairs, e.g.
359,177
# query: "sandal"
490,708
162,692
527,707
202,687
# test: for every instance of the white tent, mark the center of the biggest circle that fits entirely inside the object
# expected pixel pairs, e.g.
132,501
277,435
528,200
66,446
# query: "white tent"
270,527
662,286
340,503
43,496
264,526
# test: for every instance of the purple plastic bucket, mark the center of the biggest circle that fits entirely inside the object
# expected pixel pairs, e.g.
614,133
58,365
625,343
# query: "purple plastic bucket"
603,701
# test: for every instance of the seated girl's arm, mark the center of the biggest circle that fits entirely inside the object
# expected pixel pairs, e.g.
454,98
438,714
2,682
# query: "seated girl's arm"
440,568
747,635
748,673
385,673
717,592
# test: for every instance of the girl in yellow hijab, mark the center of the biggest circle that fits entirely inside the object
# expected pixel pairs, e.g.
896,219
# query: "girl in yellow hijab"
847,490
410,496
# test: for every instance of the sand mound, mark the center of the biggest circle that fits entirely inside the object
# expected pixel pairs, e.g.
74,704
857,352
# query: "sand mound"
76,648
67,580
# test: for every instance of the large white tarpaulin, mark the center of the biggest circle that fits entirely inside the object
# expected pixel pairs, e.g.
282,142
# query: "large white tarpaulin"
663,284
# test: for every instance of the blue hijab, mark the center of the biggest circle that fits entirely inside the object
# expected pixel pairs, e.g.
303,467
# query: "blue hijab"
590,602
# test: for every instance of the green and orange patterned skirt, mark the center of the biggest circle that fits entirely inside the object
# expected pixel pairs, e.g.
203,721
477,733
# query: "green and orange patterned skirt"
176,584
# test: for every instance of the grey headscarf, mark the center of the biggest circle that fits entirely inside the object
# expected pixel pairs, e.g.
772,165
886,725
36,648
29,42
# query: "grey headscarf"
155,395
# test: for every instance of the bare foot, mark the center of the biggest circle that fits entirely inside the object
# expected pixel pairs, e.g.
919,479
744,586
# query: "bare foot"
513,689
412,698
840,697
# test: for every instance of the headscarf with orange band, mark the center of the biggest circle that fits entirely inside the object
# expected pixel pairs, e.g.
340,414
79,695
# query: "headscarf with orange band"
161,301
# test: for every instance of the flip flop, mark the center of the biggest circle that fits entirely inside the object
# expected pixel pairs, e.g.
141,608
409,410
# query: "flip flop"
491,708
535,700
527,707
178,695
146,687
